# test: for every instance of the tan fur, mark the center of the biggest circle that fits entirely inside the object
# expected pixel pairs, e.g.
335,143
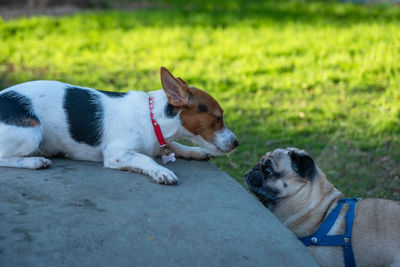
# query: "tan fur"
376,228
204,124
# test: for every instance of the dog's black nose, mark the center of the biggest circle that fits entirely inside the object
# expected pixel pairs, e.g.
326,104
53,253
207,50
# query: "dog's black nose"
235,143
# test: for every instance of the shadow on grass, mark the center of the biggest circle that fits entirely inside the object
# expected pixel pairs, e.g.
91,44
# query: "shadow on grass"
282,11
228,12
257,12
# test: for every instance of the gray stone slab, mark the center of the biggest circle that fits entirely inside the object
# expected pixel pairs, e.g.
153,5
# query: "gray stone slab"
81,214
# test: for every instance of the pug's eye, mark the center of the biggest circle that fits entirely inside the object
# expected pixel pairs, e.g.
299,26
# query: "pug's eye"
219,119
268,171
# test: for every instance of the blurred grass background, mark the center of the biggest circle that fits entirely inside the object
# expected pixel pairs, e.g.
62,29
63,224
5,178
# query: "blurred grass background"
319,75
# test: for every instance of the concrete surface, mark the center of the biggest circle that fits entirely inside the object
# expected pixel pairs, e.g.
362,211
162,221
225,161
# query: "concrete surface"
81,214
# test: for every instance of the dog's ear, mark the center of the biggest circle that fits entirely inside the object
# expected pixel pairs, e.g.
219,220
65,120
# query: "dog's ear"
175,88
302,164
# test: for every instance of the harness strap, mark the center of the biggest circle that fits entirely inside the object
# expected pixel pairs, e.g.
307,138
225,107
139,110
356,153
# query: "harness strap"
348,249
320,237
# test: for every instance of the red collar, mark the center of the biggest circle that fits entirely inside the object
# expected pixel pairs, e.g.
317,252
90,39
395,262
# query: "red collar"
156,126
168,156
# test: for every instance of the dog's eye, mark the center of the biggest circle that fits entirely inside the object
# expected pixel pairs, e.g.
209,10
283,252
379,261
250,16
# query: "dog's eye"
268,171
219,119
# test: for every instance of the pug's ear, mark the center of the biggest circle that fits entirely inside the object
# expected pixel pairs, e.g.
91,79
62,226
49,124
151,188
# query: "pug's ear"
302,164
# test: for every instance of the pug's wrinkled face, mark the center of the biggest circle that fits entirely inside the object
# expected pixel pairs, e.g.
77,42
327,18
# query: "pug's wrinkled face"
280,174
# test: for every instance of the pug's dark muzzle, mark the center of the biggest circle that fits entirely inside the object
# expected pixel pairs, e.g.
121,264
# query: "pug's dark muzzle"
253,177
256,183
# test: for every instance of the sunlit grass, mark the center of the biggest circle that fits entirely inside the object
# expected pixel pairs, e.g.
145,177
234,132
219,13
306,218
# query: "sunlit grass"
322,77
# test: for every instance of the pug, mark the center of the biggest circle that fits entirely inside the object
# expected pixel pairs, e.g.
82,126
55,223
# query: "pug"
290,184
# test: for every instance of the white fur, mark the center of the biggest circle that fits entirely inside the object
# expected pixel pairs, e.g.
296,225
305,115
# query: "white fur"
128,140
222,142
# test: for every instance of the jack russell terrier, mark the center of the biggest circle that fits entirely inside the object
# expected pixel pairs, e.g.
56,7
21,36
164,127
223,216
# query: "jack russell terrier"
41,119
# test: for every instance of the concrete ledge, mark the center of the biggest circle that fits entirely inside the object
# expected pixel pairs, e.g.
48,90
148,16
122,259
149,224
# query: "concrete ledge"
81,214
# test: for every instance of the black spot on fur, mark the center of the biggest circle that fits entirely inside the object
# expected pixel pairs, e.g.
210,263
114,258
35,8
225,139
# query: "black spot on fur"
202,108
112,94
84,115
16,109
170,110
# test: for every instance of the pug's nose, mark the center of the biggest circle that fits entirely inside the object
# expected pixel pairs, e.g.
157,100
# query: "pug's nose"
235,143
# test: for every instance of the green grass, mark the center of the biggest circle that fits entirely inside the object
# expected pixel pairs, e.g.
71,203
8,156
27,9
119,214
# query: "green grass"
319,76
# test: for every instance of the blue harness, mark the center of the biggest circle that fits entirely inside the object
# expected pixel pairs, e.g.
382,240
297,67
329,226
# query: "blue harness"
320,237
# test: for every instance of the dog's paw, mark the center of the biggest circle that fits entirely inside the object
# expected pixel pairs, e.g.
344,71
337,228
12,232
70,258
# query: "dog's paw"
198,153
36,163
164,176
206,157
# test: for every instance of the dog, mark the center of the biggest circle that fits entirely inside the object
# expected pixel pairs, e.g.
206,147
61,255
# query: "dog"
291,185
41,119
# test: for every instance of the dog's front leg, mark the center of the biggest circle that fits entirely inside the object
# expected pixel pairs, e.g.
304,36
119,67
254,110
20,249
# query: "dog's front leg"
188,152
134,161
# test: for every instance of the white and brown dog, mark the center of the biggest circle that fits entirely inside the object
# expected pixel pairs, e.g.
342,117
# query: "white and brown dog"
290,184
41,119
